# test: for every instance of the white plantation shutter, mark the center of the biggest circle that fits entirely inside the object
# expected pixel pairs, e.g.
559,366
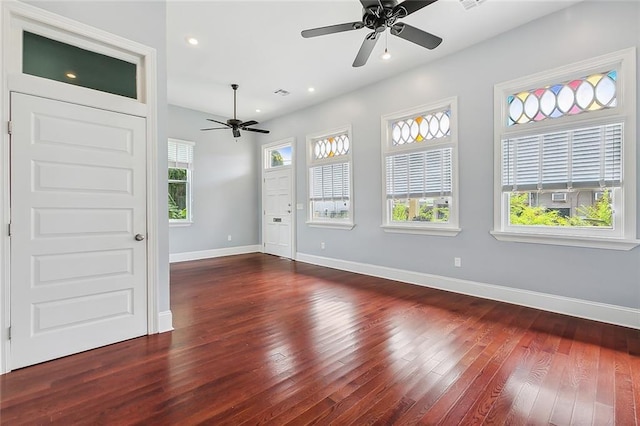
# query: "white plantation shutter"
397,174
329,182
555,157
420,174
613,155
587,158
180,154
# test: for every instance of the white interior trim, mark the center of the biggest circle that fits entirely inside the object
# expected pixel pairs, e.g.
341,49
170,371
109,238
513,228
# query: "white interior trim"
291,141
15,15
452,227
311,162
603,312
209,254
623,236
165,321
566,240
424,230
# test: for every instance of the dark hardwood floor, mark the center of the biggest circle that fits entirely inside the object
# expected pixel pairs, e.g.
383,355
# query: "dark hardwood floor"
261,340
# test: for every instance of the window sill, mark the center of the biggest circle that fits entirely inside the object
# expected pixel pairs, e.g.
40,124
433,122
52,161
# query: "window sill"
567,240
423,230
180,224
332,225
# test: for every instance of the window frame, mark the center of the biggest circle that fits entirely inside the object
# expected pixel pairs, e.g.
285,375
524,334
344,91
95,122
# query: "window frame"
188,221
345,224
452,227
622,236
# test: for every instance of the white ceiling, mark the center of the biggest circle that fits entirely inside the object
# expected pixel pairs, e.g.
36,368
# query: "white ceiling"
257,44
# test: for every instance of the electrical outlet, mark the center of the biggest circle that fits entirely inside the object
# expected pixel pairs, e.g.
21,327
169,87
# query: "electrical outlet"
228,237
322,245
457,262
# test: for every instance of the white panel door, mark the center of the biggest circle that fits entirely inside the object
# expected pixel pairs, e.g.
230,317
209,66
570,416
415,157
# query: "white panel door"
277,212
78,201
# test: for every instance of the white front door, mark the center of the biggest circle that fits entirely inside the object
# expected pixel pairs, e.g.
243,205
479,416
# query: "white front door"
78,201
277,212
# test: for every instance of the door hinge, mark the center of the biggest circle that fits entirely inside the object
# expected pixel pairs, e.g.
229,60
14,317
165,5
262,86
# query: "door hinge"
9,229
9,333
10,127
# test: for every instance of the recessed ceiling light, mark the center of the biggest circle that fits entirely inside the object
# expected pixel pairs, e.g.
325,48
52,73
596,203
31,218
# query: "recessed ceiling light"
70,75
192,41
311,89
258,110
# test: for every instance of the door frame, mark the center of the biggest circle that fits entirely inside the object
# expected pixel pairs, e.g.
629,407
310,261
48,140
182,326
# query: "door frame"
16,16
292,168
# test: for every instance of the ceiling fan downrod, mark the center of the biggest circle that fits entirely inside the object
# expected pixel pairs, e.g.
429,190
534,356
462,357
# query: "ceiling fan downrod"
235,90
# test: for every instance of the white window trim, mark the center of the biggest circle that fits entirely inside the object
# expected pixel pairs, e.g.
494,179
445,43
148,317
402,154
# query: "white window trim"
176,223
452,228
311,162
623,237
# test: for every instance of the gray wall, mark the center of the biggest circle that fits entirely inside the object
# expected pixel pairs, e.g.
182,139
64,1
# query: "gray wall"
580,32
143,22
225,191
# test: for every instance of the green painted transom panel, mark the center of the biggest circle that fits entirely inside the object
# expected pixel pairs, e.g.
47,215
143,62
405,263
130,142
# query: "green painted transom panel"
58,61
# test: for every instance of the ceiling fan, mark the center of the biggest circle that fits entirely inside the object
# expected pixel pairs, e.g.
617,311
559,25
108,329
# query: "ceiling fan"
233,123
378,15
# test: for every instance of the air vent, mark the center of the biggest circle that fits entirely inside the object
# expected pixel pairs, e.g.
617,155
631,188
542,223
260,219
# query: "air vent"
282,92
468,4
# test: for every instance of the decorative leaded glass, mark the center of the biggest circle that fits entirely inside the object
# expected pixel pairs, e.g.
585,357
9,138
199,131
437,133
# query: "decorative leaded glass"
423,127
332,146
592,93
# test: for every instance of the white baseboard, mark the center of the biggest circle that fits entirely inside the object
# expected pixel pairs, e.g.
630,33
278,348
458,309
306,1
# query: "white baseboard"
165,321
612,314
207,254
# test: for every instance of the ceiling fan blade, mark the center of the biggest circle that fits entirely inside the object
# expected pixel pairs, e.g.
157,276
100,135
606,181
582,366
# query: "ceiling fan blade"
255,130
236,132
331,29
216,128
247,123
369,3
216,121
407,7
415,35
365,50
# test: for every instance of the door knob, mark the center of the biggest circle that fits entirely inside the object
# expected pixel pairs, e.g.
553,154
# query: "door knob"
139,237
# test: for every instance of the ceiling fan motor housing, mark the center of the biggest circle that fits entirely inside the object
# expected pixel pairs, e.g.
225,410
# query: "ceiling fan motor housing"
377,18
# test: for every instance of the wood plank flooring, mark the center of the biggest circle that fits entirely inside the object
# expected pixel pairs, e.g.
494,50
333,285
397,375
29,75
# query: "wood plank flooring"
261,340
